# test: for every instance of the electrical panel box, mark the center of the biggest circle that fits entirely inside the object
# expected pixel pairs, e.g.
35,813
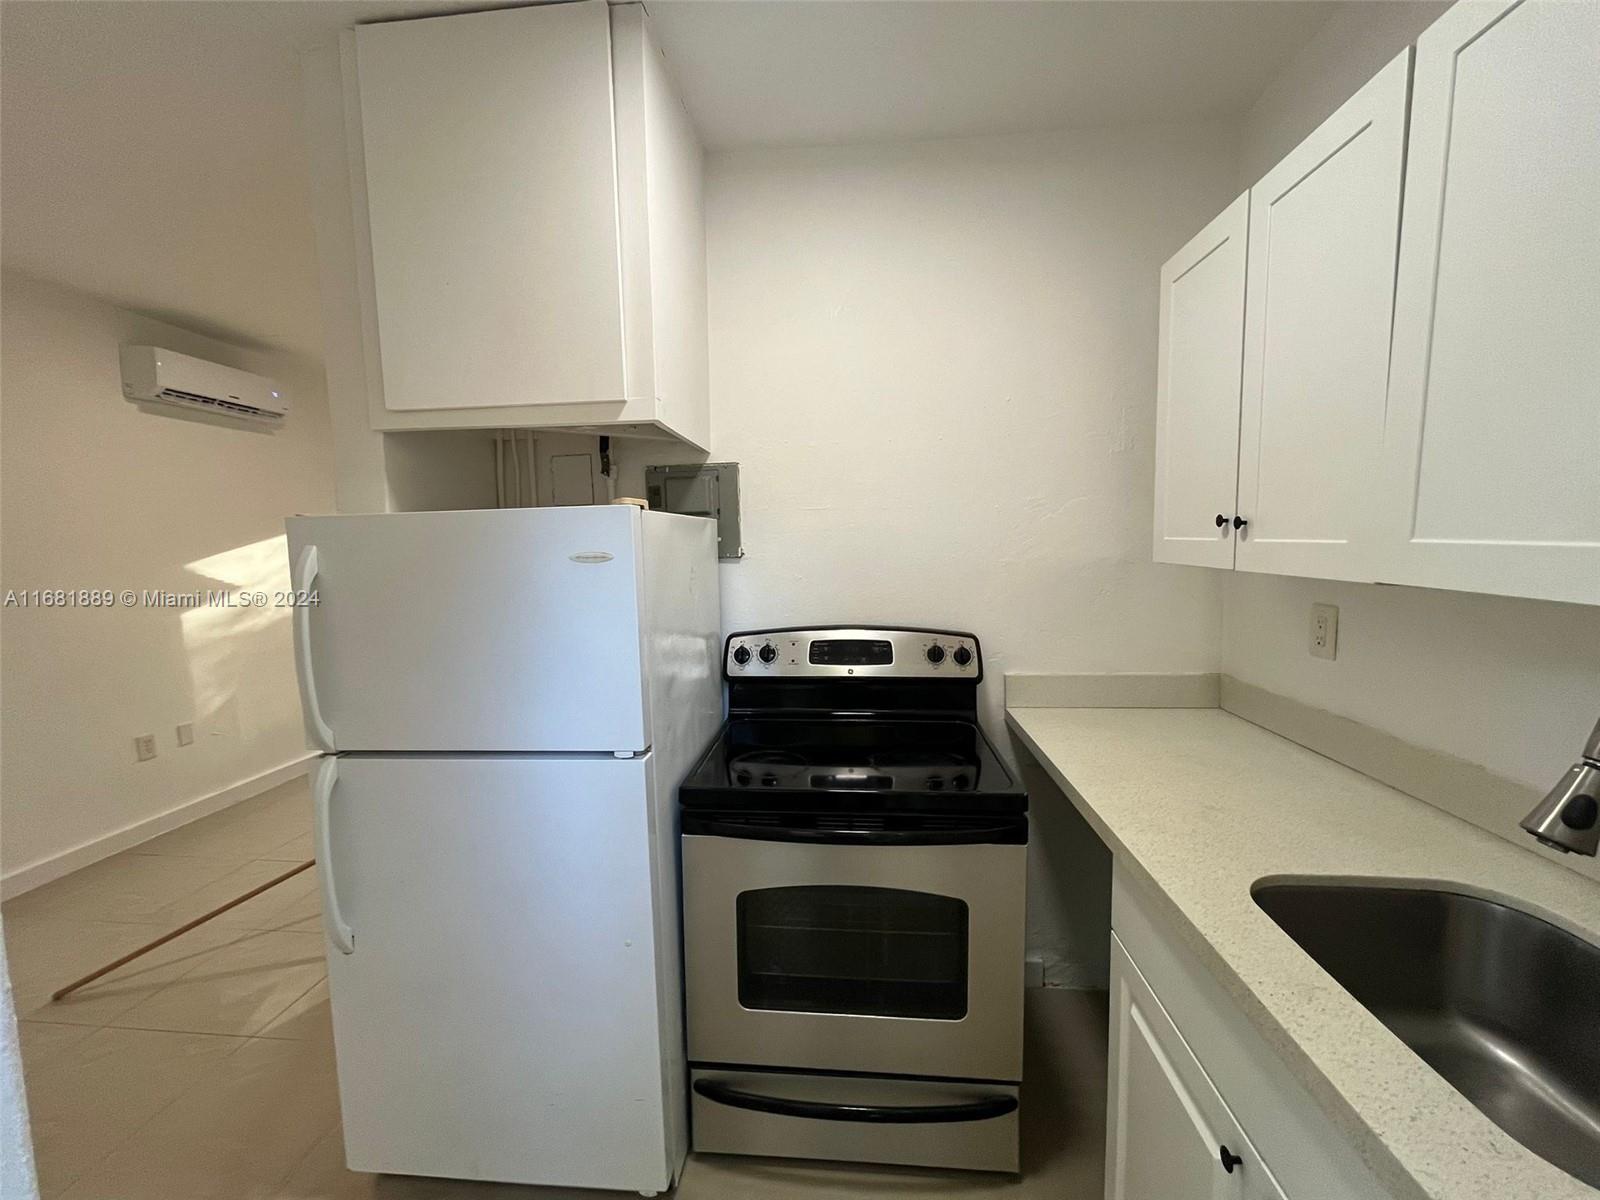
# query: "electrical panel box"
700,490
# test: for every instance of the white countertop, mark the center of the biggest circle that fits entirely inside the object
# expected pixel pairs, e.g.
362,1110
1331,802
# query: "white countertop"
1199,805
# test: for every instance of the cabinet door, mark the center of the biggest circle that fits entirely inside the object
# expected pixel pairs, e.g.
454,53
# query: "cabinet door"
1167,1128
492,197
1494,400
1324,224
1197,393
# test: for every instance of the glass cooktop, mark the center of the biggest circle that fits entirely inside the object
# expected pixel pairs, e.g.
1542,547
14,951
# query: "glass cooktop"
843,761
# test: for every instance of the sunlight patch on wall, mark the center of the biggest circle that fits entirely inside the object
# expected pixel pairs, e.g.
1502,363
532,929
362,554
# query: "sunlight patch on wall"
226,638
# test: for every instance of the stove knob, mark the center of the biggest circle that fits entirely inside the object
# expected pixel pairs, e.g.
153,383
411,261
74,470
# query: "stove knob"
963,656
936,654
768,653
741,655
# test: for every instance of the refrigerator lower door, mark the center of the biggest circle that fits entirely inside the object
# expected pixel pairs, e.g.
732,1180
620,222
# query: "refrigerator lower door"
498,630
496,1016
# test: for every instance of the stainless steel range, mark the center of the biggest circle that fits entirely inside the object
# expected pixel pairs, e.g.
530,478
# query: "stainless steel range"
854,867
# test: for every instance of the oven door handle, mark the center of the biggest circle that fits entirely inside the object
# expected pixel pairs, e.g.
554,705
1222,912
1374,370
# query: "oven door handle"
872,1114
979,835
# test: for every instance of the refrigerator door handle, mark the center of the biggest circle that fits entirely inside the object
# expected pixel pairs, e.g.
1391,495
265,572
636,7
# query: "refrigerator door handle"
339,933
305,574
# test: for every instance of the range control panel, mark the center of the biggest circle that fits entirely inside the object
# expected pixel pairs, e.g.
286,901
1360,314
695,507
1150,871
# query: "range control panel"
833,653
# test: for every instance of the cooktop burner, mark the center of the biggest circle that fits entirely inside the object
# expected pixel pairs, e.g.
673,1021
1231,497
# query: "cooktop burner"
833,722
853,768
763,758
927,758
847,762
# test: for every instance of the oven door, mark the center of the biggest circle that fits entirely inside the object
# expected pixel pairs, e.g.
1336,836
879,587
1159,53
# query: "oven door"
894,952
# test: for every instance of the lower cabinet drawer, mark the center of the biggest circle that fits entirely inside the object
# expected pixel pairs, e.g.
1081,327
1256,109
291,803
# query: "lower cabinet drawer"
849,1118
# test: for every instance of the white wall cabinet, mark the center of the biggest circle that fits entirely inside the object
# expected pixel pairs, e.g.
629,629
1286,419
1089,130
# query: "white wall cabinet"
530,238
1169,1134
1489,467
1324,224
1274,354
491,199
1197,393
1419,379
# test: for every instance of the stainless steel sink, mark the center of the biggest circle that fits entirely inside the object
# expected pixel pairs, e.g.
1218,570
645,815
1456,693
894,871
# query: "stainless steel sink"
1503,1004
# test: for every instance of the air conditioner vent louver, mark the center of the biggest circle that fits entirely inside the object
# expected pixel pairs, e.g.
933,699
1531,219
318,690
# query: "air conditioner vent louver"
229,405
150,373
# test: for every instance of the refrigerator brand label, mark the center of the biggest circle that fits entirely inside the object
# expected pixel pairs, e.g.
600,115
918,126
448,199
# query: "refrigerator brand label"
591,556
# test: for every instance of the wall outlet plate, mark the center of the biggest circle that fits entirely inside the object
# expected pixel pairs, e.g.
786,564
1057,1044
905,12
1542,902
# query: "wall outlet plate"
186,733
145,746
1033,971
1324,631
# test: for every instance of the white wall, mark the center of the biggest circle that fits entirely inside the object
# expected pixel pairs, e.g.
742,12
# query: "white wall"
934,363
1356,42
1513,685
100,494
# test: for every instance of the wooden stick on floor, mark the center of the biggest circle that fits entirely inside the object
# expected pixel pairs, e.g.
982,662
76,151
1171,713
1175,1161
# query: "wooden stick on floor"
181,929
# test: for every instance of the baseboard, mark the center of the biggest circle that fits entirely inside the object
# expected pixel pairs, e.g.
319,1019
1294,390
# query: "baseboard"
44,870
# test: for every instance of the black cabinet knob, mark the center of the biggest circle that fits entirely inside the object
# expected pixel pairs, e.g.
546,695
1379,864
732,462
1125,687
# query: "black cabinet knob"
1222,521
1230,1160
1240,522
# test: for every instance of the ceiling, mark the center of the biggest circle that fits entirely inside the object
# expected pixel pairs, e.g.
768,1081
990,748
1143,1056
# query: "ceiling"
800,71
150,152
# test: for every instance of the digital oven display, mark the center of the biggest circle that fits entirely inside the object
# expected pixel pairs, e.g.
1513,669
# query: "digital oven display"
852,652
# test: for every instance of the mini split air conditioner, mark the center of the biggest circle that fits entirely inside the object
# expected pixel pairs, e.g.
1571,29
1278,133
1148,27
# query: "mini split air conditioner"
151,374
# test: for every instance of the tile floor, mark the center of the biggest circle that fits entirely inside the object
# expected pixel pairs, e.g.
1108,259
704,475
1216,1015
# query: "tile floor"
205,1070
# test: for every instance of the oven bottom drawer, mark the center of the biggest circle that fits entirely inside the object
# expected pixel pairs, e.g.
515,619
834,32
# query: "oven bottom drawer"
851,1118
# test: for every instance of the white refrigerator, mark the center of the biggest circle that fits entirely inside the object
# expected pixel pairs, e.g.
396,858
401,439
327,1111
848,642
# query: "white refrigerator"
505,701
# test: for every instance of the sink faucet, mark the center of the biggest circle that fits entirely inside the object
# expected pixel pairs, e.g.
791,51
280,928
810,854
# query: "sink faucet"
1568,819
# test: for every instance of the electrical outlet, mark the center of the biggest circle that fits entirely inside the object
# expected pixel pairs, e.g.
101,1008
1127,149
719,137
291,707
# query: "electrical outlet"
1324,631
145,746
186,733
1033,971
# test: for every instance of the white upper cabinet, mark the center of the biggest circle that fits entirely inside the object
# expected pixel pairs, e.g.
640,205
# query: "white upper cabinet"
1324,224
491,191
1420,381
1489,466
1197,393
529,188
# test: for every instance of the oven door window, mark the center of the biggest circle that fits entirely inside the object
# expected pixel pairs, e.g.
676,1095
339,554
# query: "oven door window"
869,951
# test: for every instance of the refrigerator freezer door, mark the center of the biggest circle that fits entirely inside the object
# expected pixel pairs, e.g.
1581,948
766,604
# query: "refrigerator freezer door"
493,630
498,1017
